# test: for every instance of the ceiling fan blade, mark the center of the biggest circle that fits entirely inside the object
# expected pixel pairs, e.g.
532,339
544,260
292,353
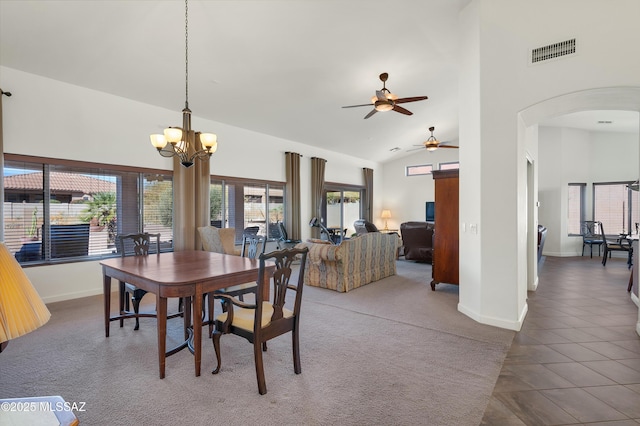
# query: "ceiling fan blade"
402,110
415,149
373,111
447,146
414,99
354,106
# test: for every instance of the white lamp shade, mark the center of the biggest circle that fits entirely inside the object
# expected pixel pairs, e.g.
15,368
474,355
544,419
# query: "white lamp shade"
209,140
386,214
158,141
173,134
21,308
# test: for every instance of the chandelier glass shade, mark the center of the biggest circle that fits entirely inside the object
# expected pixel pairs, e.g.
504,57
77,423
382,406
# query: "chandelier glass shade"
183,142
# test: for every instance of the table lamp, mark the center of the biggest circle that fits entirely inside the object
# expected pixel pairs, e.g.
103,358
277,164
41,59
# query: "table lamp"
386,214
21,308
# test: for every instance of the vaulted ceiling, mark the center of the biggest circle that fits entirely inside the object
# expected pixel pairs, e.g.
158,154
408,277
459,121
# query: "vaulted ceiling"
283,68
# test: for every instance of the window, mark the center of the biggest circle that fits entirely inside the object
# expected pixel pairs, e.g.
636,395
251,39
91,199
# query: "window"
239,203
58,210
613,206
424,169
575,207
453,165
342,206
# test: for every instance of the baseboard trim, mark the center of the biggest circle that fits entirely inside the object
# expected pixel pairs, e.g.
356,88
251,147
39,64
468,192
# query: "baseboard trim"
493,321
74,295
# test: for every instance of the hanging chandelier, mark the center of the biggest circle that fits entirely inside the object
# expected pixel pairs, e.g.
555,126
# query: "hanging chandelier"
183,142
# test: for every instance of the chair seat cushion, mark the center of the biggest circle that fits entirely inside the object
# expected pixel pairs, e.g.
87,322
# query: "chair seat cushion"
243,318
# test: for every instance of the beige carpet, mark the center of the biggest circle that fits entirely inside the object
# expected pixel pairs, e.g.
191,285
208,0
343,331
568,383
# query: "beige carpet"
390,353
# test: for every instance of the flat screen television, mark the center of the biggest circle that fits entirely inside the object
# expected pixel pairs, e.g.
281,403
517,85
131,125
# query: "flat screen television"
431,211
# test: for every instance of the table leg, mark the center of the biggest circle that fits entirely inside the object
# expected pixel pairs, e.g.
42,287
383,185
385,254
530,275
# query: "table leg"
197,327
106,288
161,314
186,316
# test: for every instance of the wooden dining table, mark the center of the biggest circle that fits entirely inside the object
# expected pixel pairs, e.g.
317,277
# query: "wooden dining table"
183,274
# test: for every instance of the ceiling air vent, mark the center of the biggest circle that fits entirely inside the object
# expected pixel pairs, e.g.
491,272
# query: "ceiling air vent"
553,51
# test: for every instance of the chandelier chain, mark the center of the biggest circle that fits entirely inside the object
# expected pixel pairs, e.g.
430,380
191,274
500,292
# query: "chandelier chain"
183,142
186,53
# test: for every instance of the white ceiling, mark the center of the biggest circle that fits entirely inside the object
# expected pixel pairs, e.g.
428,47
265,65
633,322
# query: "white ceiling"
283,68
598,121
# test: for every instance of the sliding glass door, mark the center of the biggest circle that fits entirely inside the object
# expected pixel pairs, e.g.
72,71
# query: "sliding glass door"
342,207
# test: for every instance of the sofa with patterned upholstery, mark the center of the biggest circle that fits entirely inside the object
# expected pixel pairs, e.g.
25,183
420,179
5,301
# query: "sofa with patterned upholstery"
352,263
219,240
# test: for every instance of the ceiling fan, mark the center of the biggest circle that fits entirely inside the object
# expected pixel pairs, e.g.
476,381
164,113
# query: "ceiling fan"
384,100
432,143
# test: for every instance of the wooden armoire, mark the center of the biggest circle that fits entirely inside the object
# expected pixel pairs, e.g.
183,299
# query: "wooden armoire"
446,231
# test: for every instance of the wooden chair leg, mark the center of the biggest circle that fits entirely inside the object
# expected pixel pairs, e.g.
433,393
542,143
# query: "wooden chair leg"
296,351
216,346
124,300
257,353
210,307
136,308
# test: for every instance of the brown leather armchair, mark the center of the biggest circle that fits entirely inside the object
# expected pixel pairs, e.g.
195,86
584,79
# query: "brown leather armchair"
417,239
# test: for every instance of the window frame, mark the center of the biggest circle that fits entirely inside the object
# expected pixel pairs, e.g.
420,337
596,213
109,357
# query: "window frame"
342,188
407,170
231,215
449,163
128,185
628,202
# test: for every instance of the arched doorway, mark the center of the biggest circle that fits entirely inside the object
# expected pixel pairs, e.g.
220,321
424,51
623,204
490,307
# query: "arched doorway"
613,98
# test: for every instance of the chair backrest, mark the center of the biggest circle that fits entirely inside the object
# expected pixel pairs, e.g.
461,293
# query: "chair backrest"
251,244
364,226
283,231
251,230
281,283
590,230
603,235
137,244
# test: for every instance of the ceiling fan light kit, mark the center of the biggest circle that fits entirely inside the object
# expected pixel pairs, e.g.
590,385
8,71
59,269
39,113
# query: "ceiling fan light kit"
384,100
432,143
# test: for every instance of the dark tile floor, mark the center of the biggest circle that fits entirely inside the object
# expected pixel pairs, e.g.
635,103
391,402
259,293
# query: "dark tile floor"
576,360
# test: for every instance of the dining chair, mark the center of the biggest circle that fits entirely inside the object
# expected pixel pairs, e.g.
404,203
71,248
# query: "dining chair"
137,245
621,244
253,245
261,321
589,229
279,232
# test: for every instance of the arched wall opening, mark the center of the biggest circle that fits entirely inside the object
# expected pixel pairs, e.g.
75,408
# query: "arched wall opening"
608,98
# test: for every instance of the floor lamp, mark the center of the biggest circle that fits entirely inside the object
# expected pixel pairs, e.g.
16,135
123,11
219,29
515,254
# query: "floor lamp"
21,308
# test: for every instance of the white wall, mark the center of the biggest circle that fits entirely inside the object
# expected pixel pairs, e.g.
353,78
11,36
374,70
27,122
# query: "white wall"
48,118
405,195
496,85
578,156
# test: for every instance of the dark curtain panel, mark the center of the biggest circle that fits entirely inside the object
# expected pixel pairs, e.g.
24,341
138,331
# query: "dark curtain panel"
317,187
292,215
368,202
